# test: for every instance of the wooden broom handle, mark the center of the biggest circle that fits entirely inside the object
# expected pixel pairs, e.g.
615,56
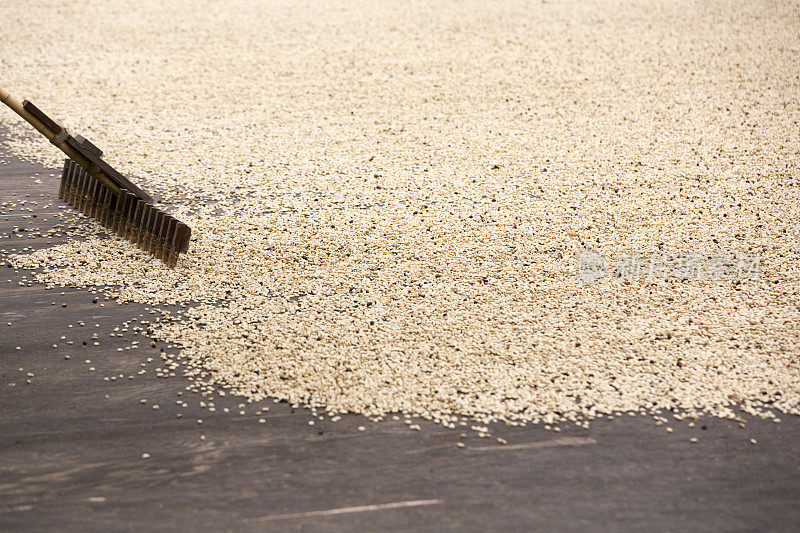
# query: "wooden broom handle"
90,161
42,128
16,105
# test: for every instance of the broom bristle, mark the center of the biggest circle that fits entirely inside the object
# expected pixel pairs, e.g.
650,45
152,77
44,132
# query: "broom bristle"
158,233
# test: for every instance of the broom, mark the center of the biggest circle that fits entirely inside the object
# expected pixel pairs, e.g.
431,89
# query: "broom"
93,187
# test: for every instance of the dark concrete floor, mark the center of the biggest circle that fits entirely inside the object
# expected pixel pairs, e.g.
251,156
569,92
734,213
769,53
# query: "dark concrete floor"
71,444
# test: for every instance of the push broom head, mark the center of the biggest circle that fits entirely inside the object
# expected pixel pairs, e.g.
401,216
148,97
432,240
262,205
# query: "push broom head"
93,187
134,219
